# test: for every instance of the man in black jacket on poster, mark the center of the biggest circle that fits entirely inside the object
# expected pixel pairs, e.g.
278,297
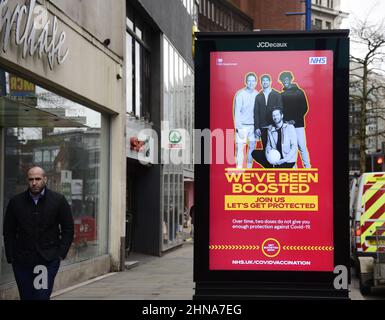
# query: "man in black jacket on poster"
38,232
295,108
265,102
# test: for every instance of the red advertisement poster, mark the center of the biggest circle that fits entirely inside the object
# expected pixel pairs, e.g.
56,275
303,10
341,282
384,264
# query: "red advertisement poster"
271,198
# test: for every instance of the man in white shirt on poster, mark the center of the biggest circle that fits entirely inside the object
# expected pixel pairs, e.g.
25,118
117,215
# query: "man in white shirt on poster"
244,120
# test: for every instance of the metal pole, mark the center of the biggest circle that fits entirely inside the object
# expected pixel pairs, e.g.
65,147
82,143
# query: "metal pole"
308,14
372,162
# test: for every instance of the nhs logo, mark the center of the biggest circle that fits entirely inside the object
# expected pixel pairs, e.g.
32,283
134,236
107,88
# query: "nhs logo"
318,60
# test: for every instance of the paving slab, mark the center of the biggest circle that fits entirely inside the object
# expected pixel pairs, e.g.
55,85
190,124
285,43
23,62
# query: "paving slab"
169,277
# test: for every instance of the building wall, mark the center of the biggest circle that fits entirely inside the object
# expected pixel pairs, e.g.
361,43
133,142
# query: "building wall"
167,22
271,15
91,75
178,29
326,14
222,15
97,18
87,60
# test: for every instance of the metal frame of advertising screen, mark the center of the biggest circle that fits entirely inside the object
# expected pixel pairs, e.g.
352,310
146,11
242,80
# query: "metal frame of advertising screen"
271,204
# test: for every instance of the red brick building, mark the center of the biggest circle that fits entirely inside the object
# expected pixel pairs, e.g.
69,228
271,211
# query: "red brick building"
270,15
247,15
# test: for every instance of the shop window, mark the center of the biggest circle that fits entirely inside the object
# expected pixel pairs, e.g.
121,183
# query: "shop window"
178,110
130,24
138,67
38,156
318,24
46,156
204,7
71,143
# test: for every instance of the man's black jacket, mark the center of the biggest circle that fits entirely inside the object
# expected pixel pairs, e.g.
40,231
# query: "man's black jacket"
295,105
35,233
263,111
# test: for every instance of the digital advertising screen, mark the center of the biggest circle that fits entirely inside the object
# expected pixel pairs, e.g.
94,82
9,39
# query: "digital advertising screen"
271,201
271,163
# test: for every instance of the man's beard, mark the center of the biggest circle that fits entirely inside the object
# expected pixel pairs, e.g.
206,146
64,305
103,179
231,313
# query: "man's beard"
38,190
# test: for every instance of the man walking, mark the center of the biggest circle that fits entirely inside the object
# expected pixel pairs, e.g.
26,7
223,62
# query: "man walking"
38,232
244,120
295,107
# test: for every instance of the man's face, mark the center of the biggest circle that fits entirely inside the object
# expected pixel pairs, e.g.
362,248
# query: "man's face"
277,116
287,82
265,83
251,82
36,180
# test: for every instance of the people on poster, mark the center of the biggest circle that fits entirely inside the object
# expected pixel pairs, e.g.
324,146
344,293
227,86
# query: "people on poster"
295,107
244,120
281,140
266,100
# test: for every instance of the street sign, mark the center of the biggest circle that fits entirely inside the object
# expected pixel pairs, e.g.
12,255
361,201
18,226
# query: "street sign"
273,215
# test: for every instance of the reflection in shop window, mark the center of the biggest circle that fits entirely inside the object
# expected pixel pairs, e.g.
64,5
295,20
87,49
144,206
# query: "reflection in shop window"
38,157
178,90
46,156
70,142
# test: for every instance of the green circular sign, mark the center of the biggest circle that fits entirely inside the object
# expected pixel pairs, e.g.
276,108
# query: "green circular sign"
174,136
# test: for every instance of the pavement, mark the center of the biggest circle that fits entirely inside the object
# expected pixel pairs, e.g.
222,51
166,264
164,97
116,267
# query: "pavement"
355,294
169,277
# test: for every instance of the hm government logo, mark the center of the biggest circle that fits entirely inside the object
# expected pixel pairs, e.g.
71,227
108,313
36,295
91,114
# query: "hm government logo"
271,44
219,61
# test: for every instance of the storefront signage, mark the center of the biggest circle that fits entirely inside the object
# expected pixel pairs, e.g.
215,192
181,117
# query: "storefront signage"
174,139
34,33
141,146
19,87
141,142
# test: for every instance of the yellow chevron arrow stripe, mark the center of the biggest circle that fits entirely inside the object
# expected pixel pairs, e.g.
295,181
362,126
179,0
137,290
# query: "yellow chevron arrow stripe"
233,247
308,248
285,247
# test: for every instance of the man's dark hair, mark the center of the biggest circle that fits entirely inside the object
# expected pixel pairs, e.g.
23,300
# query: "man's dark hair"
265,76
285,74
277,108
